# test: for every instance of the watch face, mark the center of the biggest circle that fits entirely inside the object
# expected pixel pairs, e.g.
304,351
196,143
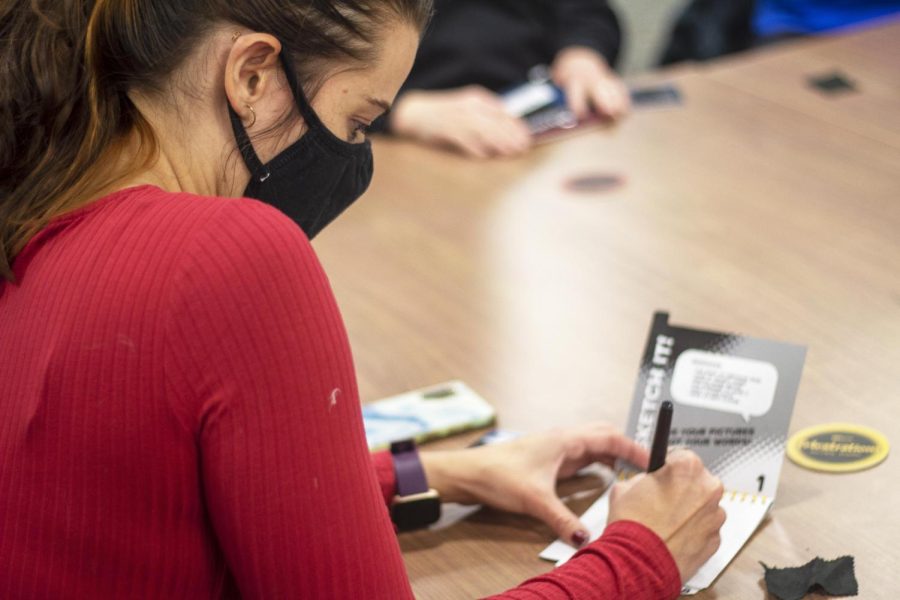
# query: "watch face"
416,514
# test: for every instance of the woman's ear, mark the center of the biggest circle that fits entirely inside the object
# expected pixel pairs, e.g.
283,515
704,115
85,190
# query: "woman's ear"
251,71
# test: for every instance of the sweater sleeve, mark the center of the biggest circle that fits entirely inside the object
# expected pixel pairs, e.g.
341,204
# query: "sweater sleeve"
263,377
384,472
590,23
628,562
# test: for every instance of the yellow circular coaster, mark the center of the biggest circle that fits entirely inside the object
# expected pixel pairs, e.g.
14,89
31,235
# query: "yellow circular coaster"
837,448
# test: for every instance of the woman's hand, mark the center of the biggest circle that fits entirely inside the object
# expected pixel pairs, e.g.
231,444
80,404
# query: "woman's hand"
520,476
588,82
680,503
471,120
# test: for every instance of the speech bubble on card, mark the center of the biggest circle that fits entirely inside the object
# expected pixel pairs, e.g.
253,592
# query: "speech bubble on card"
731,384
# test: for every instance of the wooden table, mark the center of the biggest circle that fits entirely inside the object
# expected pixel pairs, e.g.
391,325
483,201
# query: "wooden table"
869,57
738,213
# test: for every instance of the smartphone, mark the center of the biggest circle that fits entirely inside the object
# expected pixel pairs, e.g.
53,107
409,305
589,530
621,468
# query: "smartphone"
425,414
541,105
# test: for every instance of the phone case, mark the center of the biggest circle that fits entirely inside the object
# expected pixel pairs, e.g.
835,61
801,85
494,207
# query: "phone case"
425,414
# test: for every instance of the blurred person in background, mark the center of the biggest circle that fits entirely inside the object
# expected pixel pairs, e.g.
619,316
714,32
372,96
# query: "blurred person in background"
475,49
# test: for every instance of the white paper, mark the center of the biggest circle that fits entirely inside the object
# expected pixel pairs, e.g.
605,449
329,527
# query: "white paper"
744,514
594,518
734,396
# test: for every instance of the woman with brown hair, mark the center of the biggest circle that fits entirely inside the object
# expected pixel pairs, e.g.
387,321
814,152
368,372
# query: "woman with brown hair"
178,410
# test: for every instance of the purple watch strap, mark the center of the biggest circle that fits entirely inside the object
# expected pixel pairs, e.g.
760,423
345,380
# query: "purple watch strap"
408,468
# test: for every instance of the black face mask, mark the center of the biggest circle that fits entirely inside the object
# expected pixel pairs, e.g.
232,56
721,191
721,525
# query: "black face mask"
313,180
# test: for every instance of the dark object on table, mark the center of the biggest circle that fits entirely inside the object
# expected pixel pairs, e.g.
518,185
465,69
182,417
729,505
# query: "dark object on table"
835,577
832,83
660,95
599,182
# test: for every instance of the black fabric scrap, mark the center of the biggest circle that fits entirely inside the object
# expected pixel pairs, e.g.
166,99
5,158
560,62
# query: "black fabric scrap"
835,577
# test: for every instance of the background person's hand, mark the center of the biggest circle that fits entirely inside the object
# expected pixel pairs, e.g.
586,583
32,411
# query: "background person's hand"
471,120
520,476
589,83
680,503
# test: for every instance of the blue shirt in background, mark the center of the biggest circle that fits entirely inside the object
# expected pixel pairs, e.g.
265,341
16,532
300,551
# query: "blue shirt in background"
775,17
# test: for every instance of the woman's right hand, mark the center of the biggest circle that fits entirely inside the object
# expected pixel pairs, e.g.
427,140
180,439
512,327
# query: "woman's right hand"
680,503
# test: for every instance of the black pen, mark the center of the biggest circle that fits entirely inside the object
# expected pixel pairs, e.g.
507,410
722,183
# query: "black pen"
661,437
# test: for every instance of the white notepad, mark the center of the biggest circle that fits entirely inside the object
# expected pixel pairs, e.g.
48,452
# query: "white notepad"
744,514
733,398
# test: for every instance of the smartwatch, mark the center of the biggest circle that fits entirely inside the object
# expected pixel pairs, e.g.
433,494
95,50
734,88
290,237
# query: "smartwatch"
415,505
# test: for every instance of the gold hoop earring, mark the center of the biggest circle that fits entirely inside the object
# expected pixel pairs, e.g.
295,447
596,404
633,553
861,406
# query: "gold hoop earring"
253,113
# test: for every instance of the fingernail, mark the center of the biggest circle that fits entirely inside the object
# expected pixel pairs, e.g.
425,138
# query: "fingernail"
579,538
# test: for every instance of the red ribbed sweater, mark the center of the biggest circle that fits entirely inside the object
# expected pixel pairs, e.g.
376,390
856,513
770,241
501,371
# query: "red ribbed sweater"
179,419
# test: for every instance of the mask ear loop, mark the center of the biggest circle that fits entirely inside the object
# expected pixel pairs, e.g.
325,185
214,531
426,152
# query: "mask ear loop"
314,124
306,110
251,159
257,169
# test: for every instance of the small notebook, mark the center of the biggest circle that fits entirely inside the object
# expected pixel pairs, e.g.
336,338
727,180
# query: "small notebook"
733,398
745,512
425,414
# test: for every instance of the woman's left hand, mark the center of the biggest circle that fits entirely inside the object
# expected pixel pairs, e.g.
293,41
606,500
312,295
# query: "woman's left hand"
520,476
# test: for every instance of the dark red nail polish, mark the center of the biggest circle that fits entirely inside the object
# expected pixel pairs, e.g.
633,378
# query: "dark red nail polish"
579,539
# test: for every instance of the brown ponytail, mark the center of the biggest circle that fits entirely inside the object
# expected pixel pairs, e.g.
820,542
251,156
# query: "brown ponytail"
66,67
